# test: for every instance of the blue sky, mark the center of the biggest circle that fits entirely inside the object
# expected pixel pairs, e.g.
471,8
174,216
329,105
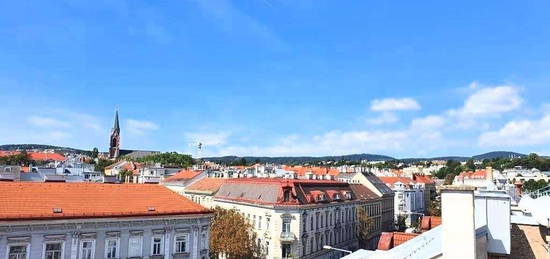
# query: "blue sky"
278,77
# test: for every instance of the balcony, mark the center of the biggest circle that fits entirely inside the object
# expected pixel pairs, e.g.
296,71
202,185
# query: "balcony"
287,237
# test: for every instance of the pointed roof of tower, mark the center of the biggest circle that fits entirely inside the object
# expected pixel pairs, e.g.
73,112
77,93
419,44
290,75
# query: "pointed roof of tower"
116,126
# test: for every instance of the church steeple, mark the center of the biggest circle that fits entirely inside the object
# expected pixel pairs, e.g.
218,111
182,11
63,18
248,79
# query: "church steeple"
116,127
114,143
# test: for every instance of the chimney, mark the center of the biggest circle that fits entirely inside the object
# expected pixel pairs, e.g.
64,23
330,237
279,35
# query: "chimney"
458,213
489,173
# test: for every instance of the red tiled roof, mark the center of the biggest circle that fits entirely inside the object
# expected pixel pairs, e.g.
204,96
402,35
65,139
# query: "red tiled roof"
316,170
400,237
429,222
207,184
37,156
479,174
423,179
386,241
184,174
37,201
389,240
391,180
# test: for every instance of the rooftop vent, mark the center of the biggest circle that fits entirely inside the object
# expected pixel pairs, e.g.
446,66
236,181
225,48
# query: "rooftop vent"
57,210
151,209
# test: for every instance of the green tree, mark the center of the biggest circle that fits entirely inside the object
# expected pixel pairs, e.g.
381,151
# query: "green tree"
95,152
232,236
364,228
470,165
168,159
125,175
449,179
435,208
101,164
401,223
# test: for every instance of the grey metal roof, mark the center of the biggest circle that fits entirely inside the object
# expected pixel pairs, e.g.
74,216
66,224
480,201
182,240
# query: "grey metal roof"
250,191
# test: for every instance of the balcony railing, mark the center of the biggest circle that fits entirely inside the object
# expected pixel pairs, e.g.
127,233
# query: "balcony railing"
287,237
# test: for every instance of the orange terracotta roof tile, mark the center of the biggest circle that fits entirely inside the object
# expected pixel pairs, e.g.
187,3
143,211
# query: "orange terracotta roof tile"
423,179
386,241
184,174
392,180
207,184
400,237
37,201
37,156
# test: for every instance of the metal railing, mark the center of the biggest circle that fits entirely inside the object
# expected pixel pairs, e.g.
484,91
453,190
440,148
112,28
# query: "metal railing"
544,191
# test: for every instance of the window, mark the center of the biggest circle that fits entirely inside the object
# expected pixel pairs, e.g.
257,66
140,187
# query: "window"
53,250
135,246
204,240
311,222
111,248
156,246
286,225
17,252
180,244
267,221
260,222
87,248
286,196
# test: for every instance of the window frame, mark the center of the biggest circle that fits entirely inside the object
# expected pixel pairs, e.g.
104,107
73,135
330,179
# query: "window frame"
186,249
117,251
81,242
62,242
25,244
153,244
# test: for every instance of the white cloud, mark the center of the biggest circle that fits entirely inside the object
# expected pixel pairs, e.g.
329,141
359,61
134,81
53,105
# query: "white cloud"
383,118
428,122
140,127
491,101
207,139
47,122
519,133
394,104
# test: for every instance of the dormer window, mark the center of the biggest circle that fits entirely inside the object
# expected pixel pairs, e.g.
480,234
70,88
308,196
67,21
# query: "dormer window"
321,197
286,196
337,196
348,196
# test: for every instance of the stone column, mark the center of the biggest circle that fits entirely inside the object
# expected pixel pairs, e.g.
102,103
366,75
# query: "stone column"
74,245
458,214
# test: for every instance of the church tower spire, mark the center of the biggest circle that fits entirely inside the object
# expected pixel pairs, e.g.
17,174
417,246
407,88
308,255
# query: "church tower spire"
114,144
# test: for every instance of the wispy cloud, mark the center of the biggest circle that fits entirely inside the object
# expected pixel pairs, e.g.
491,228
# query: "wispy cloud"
234,21
207,139
383,118
394,104
47,122
140,127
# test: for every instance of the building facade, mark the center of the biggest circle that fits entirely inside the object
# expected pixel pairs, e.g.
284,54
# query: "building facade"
295,218
87,221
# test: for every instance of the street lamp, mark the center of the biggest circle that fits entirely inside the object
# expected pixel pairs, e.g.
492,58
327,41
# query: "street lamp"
337,249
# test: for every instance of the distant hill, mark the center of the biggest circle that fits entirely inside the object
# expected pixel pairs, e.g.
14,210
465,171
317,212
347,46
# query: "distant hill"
499,154
12,147
357,158
300,159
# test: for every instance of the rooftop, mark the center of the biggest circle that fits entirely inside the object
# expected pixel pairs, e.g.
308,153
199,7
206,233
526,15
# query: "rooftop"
210,185
41,201
183,175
